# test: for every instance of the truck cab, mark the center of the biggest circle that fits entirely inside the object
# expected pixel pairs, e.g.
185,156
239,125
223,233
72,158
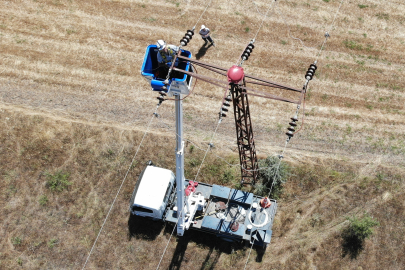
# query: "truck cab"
152,192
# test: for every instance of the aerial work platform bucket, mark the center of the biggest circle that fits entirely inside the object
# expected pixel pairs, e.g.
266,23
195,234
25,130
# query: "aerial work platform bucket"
179,82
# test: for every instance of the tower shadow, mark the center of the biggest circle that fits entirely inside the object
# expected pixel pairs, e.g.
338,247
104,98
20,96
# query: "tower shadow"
215,245
202,51
211,260
179,253
260,251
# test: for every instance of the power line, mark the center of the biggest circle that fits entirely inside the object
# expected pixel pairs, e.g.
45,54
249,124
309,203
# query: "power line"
251,247
198,147
202,14
208,148
264,18
168,241
326,33
330,29
122,183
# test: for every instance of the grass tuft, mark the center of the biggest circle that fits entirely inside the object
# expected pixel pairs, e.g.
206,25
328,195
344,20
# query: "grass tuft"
58,181
43,200
16,241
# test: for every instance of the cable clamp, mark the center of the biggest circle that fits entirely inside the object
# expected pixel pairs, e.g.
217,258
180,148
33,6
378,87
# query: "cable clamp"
181,151
327,35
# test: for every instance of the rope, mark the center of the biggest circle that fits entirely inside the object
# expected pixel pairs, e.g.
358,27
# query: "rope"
289,32
257,9
122,183
202,14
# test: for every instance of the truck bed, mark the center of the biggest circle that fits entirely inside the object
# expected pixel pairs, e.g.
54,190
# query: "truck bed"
229,213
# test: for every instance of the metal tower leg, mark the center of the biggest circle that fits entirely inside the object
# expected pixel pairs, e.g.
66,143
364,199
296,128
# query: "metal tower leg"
244,135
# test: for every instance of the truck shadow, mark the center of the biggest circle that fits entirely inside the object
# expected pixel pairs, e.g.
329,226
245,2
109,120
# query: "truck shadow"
215,246
144,228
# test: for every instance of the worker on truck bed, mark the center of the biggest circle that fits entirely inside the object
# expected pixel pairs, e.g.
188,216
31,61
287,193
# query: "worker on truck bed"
205,35
166,53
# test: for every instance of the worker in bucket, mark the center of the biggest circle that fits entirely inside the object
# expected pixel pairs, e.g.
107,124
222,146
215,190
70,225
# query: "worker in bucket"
166,53
205,35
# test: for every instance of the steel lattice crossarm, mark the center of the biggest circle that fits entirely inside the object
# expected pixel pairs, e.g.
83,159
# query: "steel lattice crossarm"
254,80
236,84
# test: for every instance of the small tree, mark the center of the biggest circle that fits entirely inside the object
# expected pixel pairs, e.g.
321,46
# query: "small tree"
355,234
273,172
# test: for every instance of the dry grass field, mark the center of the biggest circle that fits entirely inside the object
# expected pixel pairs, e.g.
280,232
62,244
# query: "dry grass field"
74,106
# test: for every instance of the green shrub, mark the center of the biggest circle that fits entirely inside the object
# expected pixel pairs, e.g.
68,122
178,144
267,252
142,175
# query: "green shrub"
261,189
273,173
227,177
355,234
362,228
58,181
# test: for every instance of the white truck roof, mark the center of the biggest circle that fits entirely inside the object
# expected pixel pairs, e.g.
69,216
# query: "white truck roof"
153,186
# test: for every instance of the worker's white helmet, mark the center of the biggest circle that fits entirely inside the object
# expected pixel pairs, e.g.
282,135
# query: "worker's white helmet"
202,26
161,44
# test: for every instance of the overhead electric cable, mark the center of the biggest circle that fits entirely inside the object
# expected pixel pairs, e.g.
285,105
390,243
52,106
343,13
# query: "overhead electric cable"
168,241
265,15
278,167
326,38
208,148
199,148
330,29
202,14
122,183
288,139
251,247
